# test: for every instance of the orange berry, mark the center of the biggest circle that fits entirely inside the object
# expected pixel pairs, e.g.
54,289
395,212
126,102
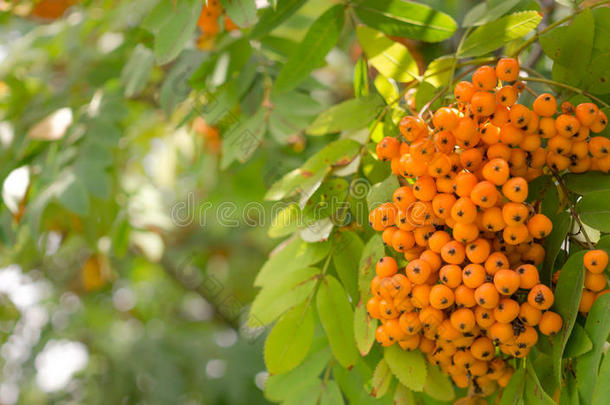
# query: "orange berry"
453,252
412,128
463,320
424,188
539,226
409,322
513,235
496,261
545,105
388,148
596,261
600,123
484,316
465,233
463,183
402,240
438,240
463,91
442,204
528,276
507,96
464,211
567,125
501,332
484,194
595,281
444,141
550,323
418,271
465,297
372,308
492,219
586,301
420,295
445,119
471,159
483,103
519,115
506,281
540,297
507,310
507,69
478,251
484,78
586,113
515,189
496,171
386,267
451,275
514,214
441,296
486,295
546,127
387,234
599,147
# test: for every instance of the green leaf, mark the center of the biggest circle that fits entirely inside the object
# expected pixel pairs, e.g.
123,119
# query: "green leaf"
373,251
406,19
241,12
382,192
386,88
534,394
512,394
286,221
595,211
587,182
242,140
403,396
493,35
382,377
331,394
337,318
291,255
602,29
319,40
71,193
425,93
597,327
438,72
177,29
390,58
96,180
288,290
327,201
597,79
337,153
347,248
361,78
137,70
553,242
306,395
271,18
567,298
408,366
289,341
579,342
483,13
601,392
279,387
438,384
351,114
364,329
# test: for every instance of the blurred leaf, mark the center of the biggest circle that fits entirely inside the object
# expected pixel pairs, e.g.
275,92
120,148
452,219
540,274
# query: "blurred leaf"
382,377
306,395
339,152
579,342
241,141
425,92
136,72
327,201
288,290
361,78
408,366
272,17
321,37
52,127
493,35
553,243
286,221
373,251
567,298
176,28
337,318
602,29
512,394
483,13
347,248
317,231
278,387
364,329
601,392
293,255
406,19
241,12
594,209
438,384
597,79
386,88
71,193
351,114
403,396
390,58
176,87
597,327
438,72
331,394
289,341
382,192
96,180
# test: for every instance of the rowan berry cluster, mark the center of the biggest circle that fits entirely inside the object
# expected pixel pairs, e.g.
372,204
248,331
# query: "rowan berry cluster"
470,296
595,262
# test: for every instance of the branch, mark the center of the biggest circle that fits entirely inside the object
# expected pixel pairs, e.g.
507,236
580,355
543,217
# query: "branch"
565,86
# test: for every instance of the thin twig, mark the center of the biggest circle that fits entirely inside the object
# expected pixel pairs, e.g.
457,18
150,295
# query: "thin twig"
565,86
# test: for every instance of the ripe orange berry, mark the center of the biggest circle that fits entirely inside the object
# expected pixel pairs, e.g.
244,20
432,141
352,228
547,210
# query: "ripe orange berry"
420,295
550,323
539,226
540,297
600,124
393,329
441,296
463,91
529,315
586,301
596,261
372,308
599,147
442,204
438,240
484,317
409,322
431,318
586,113
515,189
473,275
433,259
418,271
511,136
492,219
483,103
387,309
501,333
403,197
402,240
471,159
528,276
387,234
595,281
507,310
465,297
484,78
496,171
444,141
465,233
519,115
486,295
514,214
567,125
484,194
386,267
478,251
445,119
513,235
527,338
382,337
463,183
451,275
545,105
388,148
463,320
412,128
507,69
424,188
506,281
464,211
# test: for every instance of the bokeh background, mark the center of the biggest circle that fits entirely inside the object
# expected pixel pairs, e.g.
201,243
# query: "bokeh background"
127,248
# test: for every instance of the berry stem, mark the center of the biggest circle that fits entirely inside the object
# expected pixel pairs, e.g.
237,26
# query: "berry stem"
573,212
536,36
565,86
